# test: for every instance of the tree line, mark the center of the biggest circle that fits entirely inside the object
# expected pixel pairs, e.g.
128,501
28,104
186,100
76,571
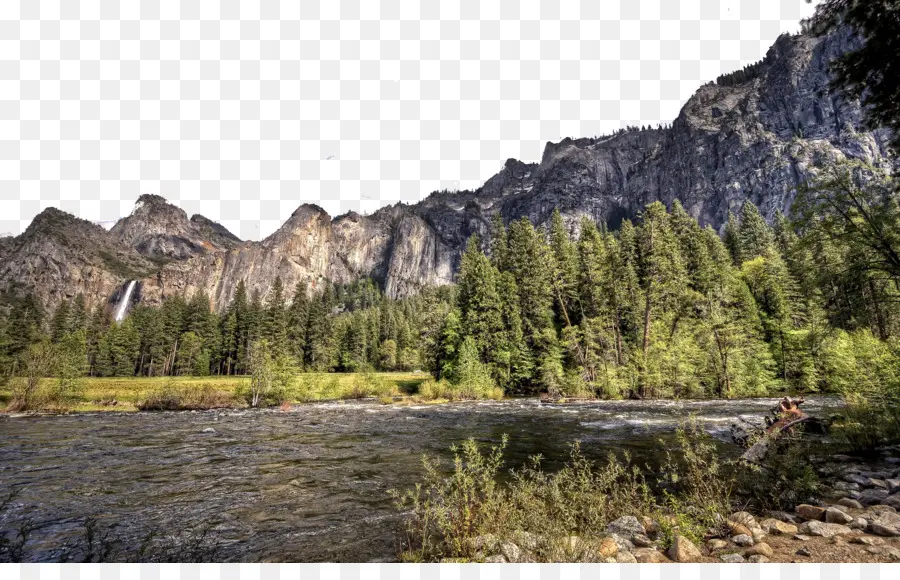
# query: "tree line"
661,307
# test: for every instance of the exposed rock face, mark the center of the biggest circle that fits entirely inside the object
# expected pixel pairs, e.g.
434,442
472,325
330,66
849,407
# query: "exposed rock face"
162,232
60,256
757,140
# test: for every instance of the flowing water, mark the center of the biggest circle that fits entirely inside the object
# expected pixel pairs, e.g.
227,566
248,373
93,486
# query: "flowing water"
310,484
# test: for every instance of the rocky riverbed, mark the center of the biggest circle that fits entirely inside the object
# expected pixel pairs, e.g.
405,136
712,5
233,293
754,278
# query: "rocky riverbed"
856,521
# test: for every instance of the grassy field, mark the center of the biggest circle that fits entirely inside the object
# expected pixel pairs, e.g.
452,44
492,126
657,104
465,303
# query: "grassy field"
127,393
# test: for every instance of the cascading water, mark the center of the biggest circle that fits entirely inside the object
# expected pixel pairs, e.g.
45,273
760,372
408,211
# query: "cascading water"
123,306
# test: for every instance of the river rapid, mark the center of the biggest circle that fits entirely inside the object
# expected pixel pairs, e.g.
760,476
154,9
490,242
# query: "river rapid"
309,484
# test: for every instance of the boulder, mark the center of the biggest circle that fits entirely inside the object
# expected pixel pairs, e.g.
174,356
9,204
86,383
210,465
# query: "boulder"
744,518
525,540
607,548
738,529
872,496
626,526
623,544
811,512
850,503
684,550
642,541
651,526
716,544
649,556
834,515
892,501
858,524
776,527
825,530
858,479
626,558
511,552
742,540
760,548
732,558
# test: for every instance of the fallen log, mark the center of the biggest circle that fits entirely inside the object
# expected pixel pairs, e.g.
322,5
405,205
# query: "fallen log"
787,415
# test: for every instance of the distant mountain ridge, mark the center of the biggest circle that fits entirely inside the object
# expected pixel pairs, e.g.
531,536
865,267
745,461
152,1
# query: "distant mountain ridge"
757,136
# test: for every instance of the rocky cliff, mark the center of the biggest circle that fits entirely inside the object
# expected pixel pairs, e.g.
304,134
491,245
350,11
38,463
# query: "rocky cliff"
757,139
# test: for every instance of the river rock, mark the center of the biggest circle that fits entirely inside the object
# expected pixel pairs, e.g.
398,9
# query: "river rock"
850,503
742,540
760,548
892,500
649,556
893,485
651,526
858,524
716,544
623,544
885,524
511,552
860,480
732,558
684,550
834,515
825,530
607,548
776,527
738,529
757,559
879,483
872,496
744,518
626,526
810,512
626,558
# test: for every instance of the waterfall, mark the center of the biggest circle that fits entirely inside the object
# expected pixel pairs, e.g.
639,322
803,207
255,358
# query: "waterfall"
123,306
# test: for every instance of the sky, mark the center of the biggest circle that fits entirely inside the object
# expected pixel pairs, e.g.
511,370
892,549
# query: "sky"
242,113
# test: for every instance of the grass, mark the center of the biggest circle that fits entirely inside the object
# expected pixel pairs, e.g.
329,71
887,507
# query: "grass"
132,393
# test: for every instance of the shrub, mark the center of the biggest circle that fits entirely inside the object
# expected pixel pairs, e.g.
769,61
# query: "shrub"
186,398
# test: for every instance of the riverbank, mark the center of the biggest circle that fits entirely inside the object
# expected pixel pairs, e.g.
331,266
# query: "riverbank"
576,514
129,394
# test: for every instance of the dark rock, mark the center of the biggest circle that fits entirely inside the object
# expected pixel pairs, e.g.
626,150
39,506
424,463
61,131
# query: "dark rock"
872,496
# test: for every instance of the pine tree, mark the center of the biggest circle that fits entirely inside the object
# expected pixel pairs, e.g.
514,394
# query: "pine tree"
298,320
275,325
499,243
479,300
733,239
756,237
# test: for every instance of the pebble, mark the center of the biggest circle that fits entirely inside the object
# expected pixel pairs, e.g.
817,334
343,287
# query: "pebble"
757,559
760,548
732,558
209,430
802,552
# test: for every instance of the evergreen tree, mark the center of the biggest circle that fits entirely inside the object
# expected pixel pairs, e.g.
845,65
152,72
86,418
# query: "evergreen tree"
756,237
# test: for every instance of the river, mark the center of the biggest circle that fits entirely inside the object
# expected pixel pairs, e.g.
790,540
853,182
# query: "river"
309,484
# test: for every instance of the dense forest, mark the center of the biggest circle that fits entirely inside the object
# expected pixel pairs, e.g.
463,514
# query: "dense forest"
659,308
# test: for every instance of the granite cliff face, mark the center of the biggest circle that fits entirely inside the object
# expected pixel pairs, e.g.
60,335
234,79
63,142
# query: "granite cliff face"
758,140
162,232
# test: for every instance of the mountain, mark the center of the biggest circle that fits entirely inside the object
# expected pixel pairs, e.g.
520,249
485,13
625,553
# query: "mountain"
60,256
755,135
162,232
